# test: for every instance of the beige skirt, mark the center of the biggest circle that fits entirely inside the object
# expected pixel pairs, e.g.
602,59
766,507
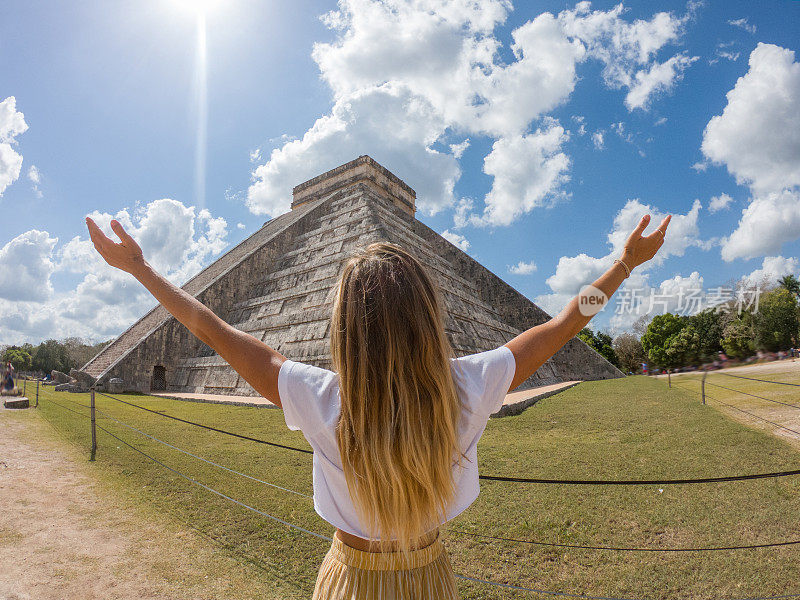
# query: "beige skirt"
350,574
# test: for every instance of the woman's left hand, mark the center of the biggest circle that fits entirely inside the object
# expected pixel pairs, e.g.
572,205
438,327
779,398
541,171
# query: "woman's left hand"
127,255
639,248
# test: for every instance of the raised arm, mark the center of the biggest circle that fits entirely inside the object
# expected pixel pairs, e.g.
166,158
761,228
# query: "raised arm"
533,347
251,358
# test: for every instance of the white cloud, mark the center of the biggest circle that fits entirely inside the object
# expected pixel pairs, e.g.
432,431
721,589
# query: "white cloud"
35,178
628,49
26,263
528,170
637,298
719,203
743,24
522,268
772,269
598,139
573,272
580,120
404,75
700,166
444,51
757,136
660,121
766,224
619,128
389,123
457,150
463,212
458,240
660,78
241,226
12,124
176,239
683,232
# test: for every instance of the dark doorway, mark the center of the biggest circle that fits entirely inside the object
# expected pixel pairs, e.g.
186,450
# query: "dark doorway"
159,379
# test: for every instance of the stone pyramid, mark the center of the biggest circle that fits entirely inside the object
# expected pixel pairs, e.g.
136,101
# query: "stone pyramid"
277,285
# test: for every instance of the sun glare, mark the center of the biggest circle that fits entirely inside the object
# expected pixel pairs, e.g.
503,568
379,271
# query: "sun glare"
198,6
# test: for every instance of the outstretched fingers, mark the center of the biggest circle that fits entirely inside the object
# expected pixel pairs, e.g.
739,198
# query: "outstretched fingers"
121,233
636,234
99,239
641,226
661,230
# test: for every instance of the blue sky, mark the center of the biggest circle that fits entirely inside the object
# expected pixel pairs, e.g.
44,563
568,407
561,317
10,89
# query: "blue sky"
536,132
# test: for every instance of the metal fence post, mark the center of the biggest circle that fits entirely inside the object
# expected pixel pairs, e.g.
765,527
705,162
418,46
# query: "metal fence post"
24,387
669,378
703,386
37,394
94,431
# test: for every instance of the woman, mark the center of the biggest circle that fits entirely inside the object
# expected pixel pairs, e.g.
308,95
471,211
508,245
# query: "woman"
395,428
8,378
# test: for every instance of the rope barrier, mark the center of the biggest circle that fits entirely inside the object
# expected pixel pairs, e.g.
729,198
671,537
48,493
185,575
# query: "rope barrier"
753,395
237,435
328,539
617,549
205,460
218,493
761,380
467,533
754,415
646,481
68,408
545,481
744,411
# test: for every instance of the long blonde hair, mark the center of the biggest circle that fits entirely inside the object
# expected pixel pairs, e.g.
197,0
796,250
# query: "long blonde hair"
398,428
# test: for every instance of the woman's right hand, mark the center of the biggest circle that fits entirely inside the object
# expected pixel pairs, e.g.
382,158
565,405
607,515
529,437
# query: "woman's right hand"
127,255
639,249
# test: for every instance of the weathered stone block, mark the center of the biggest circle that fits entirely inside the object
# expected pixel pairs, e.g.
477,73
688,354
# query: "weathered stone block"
60,377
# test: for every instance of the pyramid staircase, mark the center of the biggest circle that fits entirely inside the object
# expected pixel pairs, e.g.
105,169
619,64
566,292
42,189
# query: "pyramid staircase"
278,285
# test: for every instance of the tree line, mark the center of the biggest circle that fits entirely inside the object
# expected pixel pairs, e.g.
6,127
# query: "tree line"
50,355
772,324
667,341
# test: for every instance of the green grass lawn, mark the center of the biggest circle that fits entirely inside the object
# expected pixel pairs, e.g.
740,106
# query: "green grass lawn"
632,428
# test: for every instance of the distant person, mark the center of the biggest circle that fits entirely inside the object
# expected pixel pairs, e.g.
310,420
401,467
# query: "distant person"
395,427
8,378
644,368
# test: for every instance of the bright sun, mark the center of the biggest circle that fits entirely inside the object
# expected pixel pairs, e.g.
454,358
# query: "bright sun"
198,6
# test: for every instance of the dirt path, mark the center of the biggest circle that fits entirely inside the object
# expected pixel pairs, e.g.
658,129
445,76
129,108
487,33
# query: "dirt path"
65,535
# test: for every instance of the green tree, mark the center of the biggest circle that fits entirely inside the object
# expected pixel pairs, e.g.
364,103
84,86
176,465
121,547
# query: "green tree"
737,336
658,339
708,326
629,352
684,347
80,351
52,355
601,342
791,284
19,357
775,323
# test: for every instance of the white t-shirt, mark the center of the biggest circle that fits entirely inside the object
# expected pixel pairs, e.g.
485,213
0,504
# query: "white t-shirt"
310,398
